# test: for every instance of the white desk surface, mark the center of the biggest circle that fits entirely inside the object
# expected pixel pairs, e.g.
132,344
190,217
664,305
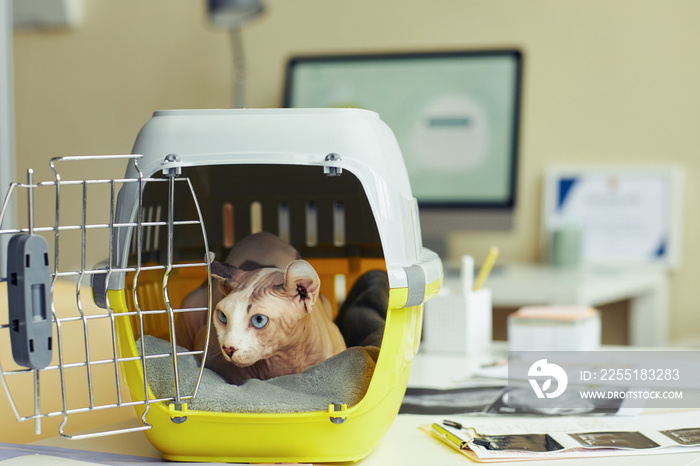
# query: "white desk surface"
404,443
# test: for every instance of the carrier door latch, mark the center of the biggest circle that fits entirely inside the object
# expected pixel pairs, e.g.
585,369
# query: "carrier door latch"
337,407
178,412
29,300
169,169
332,170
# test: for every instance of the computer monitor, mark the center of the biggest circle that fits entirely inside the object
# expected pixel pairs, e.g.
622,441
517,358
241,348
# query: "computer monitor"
455,115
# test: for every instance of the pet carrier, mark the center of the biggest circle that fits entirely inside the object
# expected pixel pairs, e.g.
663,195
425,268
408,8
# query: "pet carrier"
331,183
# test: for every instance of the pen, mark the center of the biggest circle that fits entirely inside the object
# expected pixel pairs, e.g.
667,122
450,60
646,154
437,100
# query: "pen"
454,424
485,269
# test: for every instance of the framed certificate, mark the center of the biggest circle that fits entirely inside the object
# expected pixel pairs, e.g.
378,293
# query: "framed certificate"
627,215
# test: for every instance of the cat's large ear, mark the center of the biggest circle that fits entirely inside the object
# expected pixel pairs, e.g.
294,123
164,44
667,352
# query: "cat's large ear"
301,282
225,274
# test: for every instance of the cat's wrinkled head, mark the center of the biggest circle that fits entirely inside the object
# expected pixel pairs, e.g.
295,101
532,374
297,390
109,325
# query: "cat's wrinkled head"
263,310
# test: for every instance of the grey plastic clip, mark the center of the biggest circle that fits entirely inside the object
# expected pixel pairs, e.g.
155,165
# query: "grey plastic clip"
415,275
330,170
338,407
98,283
178,407
172,171
29,300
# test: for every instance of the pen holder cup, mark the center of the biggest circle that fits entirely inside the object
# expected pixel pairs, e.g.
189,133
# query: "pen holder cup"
458,323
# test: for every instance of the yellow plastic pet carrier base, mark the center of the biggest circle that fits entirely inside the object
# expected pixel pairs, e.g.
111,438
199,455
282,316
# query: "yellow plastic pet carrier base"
304,437
331,183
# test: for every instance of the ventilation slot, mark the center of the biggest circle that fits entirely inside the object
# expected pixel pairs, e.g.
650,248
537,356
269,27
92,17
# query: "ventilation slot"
227,225
338,224
256,223
156,228
311,224
283,221
148,214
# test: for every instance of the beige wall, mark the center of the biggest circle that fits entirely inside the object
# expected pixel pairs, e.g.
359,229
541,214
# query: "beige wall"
604,82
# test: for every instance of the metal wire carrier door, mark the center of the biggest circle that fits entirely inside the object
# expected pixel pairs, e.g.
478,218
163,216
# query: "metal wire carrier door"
57,335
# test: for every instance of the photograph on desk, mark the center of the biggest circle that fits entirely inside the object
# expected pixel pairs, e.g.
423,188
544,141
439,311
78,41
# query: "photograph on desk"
521,442
684,436
614,440
512,400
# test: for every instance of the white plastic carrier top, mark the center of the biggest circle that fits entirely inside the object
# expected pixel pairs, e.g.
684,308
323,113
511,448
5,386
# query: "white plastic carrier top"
365,146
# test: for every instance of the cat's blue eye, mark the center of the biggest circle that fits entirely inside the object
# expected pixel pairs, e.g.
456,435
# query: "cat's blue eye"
222,317
259,321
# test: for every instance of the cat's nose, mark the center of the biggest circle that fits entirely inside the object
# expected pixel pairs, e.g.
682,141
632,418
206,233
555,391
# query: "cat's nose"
228,350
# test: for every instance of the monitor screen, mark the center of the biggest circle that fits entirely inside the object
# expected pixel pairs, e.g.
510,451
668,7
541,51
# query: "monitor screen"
455,116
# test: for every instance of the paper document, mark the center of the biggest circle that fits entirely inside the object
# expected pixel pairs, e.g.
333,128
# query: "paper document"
529,439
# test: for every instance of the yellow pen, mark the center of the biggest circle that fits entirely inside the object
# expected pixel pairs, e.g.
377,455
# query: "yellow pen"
485,269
